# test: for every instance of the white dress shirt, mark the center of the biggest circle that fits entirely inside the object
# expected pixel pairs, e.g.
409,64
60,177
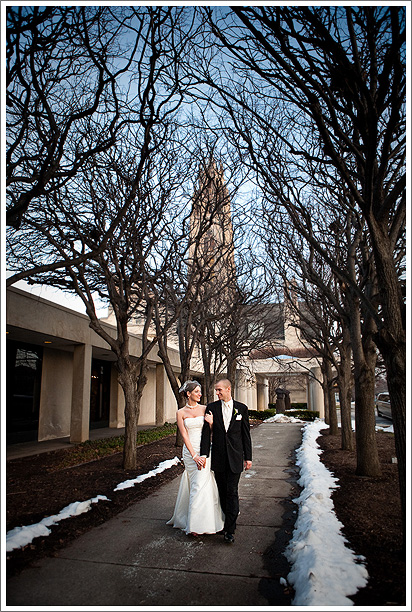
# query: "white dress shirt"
227,410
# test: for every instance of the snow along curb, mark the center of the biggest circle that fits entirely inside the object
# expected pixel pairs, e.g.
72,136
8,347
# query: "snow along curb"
21,536
324,570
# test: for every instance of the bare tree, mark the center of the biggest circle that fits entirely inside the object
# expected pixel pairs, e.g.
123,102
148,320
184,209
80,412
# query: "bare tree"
140,183
338,74
194,287
328,299
63,99
213,324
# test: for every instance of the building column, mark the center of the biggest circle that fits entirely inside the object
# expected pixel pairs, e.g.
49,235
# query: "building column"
80,409
116,418
56,395
241,394
252,395
262,393
160,395
315,392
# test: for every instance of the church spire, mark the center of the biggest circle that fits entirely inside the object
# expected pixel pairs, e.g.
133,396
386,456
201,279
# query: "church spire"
211,224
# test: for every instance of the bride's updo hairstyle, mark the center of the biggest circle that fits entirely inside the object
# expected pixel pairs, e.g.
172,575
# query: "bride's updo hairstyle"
189,386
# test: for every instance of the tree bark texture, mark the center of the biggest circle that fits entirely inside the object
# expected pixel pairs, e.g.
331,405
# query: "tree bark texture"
364,357
132,381
391,340
345,392
330,393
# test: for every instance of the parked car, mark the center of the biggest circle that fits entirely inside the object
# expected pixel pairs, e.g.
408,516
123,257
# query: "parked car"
383,405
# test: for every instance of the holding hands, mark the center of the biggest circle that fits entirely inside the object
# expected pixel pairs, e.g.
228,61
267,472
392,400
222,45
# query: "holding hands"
209,418
200,461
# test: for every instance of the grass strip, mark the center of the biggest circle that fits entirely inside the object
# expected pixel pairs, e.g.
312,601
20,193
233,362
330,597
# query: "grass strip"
97,449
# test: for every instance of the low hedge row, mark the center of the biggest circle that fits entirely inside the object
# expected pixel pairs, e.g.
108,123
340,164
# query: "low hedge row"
303,414
262,414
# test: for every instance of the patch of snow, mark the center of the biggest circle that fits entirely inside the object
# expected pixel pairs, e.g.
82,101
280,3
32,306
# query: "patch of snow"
164,465
21,536
283,418
323,567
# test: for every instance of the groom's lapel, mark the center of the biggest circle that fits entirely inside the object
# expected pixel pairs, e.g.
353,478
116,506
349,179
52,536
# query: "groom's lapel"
219,412
233,415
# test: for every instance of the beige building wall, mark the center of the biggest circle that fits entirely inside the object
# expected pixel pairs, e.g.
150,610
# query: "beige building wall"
116,417
66,368
251,396
315,392
148,401
241,387
56,394
65,389
166,404
262,391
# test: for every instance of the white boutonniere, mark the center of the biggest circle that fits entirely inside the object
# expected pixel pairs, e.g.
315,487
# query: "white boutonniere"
238,417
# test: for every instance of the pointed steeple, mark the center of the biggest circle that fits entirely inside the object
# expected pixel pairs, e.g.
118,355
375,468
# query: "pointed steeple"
211,224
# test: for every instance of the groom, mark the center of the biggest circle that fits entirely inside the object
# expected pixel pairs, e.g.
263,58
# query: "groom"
231,450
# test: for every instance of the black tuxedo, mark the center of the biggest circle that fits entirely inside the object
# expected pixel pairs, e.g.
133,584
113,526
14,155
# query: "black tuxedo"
229,450
235,445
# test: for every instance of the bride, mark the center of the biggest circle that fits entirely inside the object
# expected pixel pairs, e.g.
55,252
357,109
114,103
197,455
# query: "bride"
197,509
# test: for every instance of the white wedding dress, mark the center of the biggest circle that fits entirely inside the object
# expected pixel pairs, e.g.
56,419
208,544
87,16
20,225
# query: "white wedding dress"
197,508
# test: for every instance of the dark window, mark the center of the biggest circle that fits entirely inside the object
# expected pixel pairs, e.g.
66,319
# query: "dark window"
100,394
24,363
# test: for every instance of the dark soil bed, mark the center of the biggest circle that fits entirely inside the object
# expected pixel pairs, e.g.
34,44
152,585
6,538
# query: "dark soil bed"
35,490
370,512
368,508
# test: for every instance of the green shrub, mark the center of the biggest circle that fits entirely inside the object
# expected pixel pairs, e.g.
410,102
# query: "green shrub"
262,414
299,413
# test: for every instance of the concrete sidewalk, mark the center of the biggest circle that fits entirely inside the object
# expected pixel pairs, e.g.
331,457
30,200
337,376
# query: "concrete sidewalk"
135,559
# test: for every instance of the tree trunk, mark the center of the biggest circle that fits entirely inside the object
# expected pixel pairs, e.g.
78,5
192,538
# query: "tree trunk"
231,372
326,401
210,389
345,399
132,390
333,415
364,358
366,449
391,341
330,393
397,392
175,385
395,363
130,434
128,384
325,391
208,378
345,392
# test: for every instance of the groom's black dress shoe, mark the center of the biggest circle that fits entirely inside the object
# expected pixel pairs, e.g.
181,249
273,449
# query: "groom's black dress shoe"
229,537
